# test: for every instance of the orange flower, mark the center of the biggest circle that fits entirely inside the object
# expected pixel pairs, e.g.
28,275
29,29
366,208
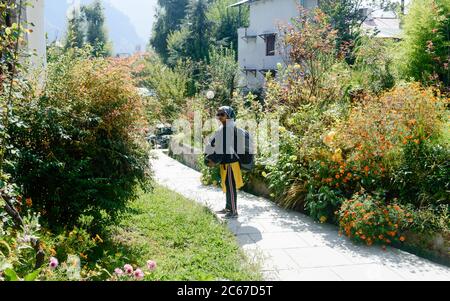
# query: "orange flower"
402,238
29,202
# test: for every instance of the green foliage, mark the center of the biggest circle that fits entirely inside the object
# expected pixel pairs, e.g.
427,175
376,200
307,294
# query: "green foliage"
96,33
75,31
183,237
177,48
373,69
222,76
322,203
198,40
192,40
210,176
346,18
81,149
226,21
169,18
423,175
170,86
371,219
187,29
424,50
432,219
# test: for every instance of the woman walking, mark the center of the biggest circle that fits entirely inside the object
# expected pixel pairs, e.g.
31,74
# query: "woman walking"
222,150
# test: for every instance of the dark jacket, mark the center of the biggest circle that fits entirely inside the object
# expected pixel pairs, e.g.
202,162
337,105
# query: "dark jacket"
223,146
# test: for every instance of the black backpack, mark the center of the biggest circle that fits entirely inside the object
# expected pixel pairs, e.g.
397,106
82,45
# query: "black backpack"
246,160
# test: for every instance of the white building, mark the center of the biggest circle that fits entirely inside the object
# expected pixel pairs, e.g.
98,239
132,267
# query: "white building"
382,24
257,46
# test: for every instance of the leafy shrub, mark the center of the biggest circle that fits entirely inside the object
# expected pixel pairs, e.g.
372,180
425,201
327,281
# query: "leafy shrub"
170,86
369,144
222,76
431,219
369,219
373,70
81,144
321,204
210,176
422,178
424,50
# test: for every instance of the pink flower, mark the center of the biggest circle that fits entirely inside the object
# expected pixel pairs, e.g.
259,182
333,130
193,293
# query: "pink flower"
138,274
128,269
151,265
118,272
53,263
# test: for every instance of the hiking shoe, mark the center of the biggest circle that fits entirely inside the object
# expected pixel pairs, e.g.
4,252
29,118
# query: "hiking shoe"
223,211
231,215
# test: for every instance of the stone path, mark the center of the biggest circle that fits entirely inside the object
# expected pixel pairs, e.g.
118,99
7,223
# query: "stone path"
290,245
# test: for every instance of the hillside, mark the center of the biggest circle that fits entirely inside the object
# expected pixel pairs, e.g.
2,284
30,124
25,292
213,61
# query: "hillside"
121,31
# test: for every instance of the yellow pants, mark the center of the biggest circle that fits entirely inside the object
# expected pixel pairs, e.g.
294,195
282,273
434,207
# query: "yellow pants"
236,167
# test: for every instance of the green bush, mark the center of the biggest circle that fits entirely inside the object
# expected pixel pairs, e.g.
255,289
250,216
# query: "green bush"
369,218
170,86
423,177
81,147
373,70
424,50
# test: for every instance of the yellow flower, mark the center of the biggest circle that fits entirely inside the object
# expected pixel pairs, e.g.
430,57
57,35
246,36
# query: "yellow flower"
98,238
337,157
323,219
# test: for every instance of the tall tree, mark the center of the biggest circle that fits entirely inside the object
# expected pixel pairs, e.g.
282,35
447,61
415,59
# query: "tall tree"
199,28
96,34
425,49
226,21
193,39
169,18
75,31
346,17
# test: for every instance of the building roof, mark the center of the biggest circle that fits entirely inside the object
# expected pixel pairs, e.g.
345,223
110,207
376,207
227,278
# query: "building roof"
385,24
240,3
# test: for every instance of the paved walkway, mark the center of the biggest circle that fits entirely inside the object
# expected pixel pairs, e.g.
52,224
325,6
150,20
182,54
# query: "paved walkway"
290,245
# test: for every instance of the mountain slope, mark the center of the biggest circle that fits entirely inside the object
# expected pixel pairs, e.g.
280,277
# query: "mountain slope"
121,31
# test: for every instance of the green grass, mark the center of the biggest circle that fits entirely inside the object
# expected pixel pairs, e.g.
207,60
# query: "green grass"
185,239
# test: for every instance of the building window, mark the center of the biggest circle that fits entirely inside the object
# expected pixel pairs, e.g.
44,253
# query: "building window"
270,45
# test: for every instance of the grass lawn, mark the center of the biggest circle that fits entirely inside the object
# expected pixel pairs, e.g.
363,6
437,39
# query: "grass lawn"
184,238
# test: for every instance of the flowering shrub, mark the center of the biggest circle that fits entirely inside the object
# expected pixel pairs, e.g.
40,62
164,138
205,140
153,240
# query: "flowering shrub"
81,146
366,148
128,273
369,219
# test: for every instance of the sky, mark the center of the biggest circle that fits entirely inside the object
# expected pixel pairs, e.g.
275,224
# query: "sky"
141,13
